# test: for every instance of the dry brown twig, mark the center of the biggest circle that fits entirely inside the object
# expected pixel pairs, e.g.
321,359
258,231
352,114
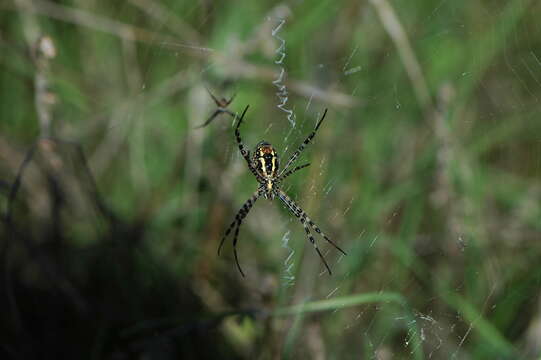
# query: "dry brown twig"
42,50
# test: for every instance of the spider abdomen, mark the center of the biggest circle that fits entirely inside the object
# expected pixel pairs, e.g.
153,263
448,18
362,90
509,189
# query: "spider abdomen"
265,160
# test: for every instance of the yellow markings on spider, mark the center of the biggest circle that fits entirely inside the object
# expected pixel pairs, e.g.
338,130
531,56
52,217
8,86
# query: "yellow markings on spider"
267,162
263,167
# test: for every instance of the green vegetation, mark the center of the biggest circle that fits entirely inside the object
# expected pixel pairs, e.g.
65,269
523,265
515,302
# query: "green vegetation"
426,172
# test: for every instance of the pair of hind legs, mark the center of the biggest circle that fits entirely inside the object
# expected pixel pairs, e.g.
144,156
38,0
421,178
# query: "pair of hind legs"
295,210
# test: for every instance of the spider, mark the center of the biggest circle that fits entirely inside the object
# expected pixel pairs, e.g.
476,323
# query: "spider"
222,105
265,166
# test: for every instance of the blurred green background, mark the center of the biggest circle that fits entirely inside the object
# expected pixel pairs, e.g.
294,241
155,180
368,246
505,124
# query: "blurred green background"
426,172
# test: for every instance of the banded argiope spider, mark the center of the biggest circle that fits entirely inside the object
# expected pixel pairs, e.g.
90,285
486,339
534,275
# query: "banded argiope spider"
265,166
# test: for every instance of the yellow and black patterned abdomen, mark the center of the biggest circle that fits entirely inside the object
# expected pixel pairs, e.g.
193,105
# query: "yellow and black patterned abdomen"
265,160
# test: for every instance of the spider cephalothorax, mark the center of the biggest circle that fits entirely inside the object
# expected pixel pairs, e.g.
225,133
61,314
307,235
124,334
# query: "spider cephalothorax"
265,166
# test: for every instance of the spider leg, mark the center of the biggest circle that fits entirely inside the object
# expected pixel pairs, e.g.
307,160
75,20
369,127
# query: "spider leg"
227,102
245,153
318,230
303,145
284,197
209,120
241,214
227,232
281,178
313,241
239,223
215,114
304,219
216,101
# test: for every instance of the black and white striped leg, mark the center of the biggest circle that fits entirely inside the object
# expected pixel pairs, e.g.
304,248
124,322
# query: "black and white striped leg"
235,238
305,220
298,213
292,171
306,142
318,230
310,222
241,214
313,241
245,153
228,231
